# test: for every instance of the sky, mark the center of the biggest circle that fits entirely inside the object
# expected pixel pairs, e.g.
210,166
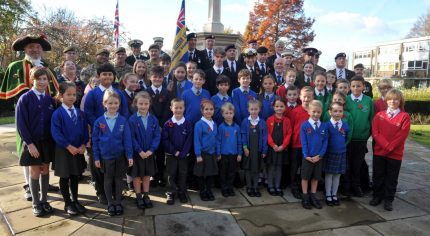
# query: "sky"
340,25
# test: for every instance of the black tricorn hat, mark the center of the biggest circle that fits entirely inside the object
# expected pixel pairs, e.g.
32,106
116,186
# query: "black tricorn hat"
20,43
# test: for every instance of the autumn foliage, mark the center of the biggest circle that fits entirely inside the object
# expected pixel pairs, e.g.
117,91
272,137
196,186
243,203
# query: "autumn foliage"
274,19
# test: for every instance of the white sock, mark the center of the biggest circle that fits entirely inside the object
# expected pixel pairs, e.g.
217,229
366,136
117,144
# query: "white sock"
26,175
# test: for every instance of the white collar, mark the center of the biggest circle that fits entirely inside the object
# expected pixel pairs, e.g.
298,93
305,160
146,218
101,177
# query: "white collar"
34,62
254,122
155,89
218,68
338,69
230,61
128,92
37,92
354,97
313,123
66,107
250,67
103,88
397,111
243,90
317,92
292,104
178,122
279,74
209,122
333,122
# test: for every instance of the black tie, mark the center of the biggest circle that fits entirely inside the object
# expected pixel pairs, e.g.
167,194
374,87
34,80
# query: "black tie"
224,99
245,92
391,114
198,92
292,106
210,55
40,97
157,92
267,97
191,56
263,69
337,125
232,67
316,125
356,100
132,96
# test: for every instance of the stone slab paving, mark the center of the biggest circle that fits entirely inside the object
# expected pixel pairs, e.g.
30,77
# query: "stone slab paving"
239,215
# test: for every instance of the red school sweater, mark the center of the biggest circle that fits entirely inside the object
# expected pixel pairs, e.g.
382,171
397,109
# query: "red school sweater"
379,105
390,134
286,130
298,116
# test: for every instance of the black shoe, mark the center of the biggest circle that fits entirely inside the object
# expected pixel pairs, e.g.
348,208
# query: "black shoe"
336,202
250,192
47,208
224,192
102,199
147,201
119,210
71,210
305,201
257,193
388,205
139,201
161,183
52,188
204,196
170,198
279,192
231,192
296,193
38,210
111,210
271,191
375,201
182,197
314,201
329,202
358,192
79,207
210,195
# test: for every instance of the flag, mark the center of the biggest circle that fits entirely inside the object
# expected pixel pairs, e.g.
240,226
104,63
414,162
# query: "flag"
180,46
116,26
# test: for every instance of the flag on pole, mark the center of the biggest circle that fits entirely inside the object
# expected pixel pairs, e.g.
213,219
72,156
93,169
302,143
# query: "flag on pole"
116,25
180,46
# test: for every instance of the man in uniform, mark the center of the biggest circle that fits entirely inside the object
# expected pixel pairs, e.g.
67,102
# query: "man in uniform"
135,46
196,55
250,58
102,57
279,48
154,56
121,67
262,63
232,65
340,71
316,59
288,55
16,81
70,54
251,44
209,50
312,54
160,42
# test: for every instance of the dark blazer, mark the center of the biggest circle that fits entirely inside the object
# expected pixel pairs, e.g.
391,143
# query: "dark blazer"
256,80
201,59
271,59
131,60
160,105
210,63
268,67
300,80
349,74
211,75
234,83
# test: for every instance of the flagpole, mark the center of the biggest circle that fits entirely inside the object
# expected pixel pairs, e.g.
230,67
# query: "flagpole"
116,25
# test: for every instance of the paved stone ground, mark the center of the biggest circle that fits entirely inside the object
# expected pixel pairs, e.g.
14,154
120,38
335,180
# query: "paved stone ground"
239,215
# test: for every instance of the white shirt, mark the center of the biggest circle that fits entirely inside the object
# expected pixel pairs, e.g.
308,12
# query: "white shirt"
354,97
259,65
178,122
155,89
103,88
395,112
343,72
254,122
38,93
218,68
250,68
292,104
317,92
128,92
211,123
68,111
333,122
313,123
229,64
34,62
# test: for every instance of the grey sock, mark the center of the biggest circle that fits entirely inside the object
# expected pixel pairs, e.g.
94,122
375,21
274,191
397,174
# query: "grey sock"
44,182
35,188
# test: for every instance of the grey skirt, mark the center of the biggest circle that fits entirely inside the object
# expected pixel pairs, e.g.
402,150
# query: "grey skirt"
208,167
66,164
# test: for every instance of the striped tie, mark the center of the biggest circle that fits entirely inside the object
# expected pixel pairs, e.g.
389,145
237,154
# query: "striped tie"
73,116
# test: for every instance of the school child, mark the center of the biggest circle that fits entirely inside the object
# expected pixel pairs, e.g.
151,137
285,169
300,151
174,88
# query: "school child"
191,68
131,87
216,70
279,136
342,86
314,139
346,117
305,77
179,84
145,136
361,108
93,83
221,98
206,150
254,141
298,116
177,136
292,96
290,79
94,109
320,93
384,86
267,96
165,62
390,129
69,131
230,147
160,98
112,130
33,121
335,159
331,80
242,95
140,68
192,97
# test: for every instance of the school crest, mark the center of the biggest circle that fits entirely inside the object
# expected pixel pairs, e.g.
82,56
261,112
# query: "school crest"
309,130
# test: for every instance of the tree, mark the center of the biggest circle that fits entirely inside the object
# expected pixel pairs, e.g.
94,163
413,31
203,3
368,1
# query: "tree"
272,20
421,27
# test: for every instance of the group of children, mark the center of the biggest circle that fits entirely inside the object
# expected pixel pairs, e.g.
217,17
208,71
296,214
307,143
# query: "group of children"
320,132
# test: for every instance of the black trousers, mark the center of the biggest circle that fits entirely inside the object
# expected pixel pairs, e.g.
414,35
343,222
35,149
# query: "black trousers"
160,160
296,165
385,177
96,175
357,152
176,170
227,170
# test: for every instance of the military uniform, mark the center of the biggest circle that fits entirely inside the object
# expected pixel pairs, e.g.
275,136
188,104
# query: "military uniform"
57,70
88,72
122,70
135,43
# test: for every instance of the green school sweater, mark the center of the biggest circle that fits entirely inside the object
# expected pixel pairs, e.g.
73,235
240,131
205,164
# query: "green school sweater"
325,100
347,118
362,114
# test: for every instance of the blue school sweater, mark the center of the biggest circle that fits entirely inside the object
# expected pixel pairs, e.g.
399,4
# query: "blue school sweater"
337,138
244,129
192,104
229,139
94,105
144,139
314,142
33,117
108,145
240,102
65,132
267,106
205,139
187,85
130,107
218,102
177,138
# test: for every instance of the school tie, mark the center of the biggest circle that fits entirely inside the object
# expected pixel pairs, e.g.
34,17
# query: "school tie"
267,97
356,100
180,88
210,55
191,56
263,69
132,96
337,125
340,75
224,99
245,92
391,114
316,125
279,78
219,71
73,116
320,94
40,97
292,106
157,92
198,92
306,79
232,67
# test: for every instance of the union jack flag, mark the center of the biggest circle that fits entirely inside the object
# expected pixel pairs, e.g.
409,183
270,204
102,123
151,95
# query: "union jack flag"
180,46
116,25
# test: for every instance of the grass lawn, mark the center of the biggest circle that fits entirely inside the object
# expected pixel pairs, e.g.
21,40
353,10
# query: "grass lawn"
7,120
420,134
